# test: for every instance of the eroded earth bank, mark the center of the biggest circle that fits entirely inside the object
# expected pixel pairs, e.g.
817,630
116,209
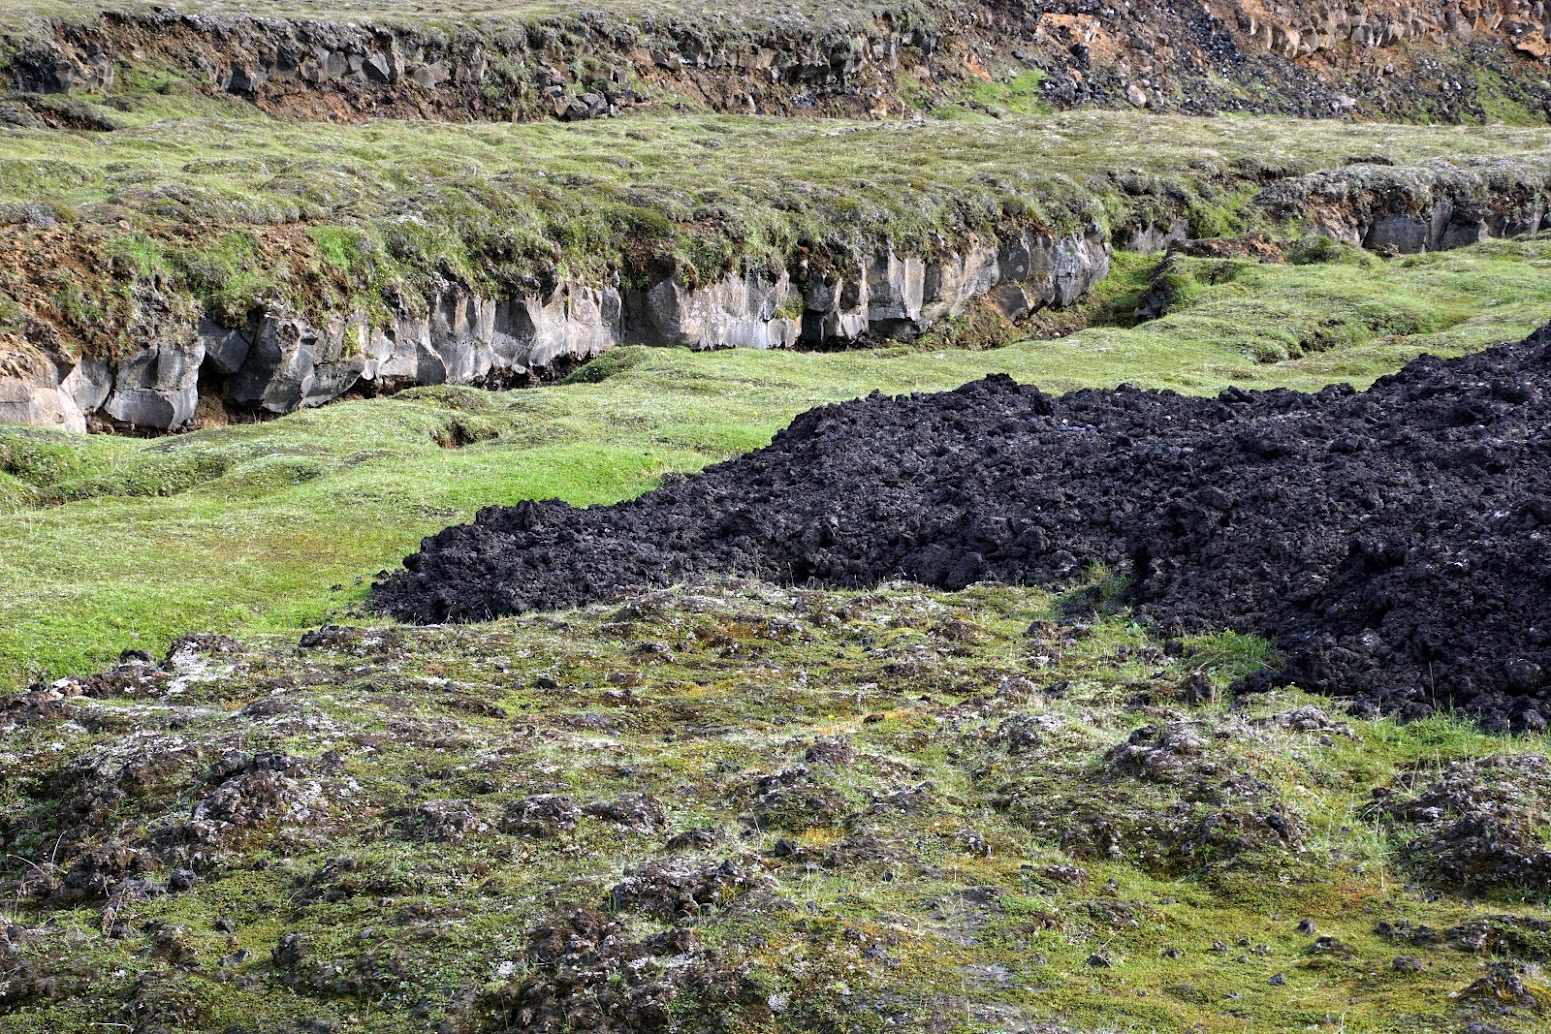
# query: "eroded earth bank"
208,218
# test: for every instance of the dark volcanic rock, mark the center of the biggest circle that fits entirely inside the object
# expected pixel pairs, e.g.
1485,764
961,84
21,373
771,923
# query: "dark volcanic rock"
637,811
1391,541
670,893
543,815
1480,826
585,973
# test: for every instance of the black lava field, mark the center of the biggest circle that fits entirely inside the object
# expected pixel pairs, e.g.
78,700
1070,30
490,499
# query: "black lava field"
1395,543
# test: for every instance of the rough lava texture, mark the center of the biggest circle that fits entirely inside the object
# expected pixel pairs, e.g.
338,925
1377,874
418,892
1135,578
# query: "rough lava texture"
1391,542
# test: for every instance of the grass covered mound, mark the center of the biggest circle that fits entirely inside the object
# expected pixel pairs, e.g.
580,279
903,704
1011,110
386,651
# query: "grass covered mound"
1387,540
745,808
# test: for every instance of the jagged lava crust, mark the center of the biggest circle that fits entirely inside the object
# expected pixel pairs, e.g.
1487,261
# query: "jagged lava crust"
1393,542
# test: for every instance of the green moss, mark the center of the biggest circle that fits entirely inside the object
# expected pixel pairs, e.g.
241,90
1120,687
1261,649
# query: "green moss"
1020,94
15,494
1504,104
902,890
1310,250
345,248
14,317
1228,656
135,255
42,460
610,364
229,274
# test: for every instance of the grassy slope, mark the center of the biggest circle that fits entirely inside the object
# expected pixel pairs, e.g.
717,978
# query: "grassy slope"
210,200
247,528
254,169
918,889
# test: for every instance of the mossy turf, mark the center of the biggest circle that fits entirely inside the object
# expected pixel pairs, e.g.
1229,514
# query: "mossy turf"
110,543
920,811
181,203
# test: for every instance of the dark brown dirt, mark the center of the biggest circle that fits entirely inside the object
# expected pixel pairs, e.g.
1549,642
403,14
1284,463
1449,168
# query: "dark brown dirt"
1392,542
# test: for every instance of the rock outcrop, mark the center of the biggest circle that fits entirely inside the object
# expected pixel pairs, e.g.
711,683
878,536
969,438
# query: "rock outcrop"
38,390
1311,57
185,370
1428,207
279,361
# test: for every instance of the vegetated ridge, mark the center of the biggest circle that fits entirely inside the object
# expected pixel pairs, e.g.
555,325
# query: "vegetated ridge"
365,259
743,808
1390,541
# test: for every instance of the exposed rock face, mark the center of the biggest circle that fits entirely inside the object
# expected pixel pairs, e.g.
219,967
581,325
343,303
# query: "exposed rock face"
279,361
1429,207
751,311
1310,57
156,387
39,391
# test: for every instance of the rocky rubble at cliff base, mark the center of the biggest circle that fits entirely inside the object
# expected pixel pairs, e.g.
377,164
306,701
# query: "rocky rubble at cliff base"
1391,542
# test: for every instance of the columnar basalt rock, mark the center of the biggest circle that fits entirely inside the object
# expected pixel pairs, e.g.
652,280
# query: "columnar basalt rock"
1304,30
279,361
36,390
1428,207
751,311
